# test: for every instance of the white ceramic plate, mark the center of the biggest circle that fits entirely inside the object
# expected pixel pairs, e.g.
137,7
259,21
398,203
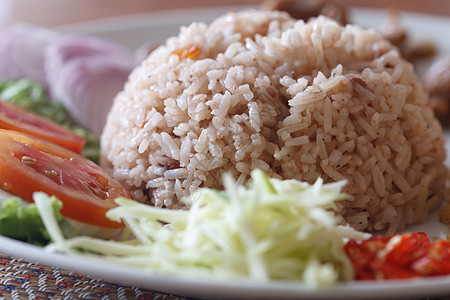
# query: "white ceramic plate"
132,32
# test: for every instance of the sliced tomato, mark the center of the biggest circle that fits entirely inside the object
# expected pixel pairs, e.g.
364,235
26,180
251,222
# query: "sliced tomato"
29,164
15,118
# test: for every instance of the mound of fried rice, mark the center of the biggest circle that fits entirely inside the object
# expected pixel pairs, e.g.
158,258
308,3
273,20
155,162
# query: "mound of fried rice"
258,89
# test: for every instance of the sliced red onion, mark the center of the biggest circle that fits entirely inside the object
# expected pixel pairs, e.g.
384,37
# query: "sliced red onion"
67,48
85,74
22,52
87,87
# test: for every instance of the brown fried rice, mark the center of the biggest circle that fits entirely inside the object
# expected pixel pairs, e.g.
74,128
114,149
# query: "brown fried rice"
258,89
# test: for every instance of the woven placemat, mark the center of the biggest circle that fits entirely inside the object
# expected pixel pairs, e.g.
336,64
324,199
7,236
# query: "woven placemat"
21,279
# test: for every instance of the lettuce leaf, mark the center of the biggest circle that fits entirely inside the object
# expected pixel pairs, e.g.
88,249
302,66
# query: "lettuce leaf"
23,221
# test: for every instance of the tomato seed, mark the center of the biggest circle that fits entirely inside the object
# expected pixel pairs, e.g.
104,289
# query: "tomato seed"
101,193
28,160
51,174
102,180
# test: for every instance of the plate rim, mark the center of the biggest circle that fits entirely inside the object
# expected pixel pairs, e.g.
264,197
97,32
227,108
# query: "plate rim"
187,286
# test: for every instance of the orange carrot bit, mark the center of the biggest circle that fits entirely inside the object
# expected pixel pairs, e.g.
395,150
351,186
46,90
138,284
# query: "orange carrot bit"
187,52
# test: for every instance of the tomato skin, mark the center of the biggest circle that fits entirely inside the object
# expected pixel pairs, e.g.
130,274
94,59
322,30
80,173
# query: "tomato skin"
399,256
15,118
28,164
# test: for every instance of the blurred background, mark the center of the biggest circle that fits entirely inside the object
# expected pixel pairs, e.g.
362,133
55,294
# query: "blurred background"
60,12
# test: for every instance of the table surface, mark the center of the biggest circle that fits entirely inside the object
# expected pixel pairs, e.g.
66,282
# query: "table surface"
60,12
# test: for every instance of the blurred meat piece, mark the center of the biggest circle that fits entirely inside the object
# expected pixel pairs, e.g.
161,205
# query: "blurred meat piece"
444,215
393,30
418,50
437,84
305,9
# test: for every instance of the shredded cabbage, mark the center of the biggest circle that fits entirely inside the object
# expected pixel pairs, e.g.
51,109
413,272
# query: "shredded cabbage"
269,230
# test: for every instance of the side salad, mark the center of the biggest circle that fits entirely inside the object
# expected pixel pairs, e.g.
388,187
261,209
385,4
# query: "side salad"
38,154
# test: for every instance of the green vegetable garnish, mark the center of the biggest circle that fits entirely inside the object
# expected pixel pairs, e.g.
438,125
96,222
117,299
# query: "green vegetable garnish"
22,221
31,96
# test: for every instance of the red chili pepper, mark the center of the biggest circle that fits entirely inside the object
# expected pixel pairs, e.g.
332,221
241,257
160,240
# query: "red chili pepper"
409,248
436,262
399,256
375,243
360,259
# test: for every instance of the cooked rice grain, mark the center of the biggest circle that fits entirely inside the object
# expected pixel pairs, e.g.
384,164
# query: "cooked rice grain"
258,89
